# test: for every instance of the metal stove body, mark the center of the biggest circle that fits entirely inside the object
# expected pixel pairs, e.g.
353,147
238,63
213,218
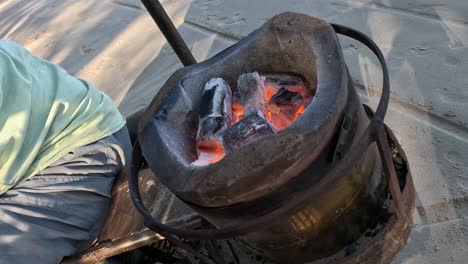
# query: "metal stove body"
304,194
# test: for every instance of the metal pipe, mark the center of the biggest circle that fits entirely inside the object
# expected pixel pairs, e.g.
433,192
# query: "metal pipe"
387,161
159,15
123,244
118,246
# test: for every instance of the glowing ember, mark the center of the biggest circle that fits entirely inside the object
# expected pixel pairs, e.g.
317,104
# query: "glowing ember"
207,156
283,107
270,91
238,112
289,89
299,112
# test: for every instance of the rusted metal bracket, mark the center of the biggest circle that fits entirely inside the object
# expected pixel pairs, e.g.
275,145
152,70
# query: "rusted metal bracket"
387,161
392,238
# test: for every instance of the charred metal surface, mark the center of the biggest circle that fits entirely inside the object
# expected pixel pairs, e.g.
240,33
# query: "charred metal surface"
283,80
388,242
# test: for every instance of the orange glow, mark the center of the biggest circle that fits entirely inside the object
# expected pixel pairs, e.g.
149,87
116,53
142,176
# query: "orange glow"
212,152
237,112
208,156
269,91
281,120
299,111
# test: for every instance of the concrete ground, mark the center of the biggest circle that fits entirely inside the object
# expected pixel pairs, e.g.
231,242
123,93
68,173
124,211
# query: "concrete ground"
115,45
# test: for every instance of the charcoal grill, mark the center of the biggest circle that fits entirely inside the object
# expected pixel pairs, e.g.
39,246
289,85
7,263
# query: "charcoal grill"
323,178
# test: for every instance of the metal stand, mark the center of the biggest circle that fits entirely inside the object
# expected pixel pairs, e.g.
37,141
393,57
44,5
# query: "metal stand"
159,15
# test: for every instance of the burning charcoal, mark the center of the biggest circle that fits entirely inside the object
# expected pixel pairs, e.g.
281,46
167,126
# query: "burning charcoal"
245,131
252,93
290,82
281,80
207,156
286,103
215,112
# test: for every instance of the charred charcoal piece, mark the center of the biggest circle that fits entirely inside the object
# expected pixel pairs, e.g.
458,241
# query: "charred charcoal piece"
289,82
215,112
245,131
285,97
281,80
252,93
285,103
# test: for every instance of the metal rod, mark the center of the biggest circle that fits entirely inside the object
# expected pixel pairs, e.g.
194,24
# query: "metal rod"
387,161
169,31
120,245
178,243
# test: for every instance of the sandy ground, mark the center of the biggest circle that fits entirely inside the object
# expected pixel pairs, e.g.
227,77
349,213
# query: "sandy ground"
116,46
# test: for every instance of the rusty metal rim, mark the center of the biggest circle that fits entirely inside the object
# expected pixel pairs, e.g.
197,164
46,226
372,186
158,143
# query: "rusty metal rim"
375,132
396,231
